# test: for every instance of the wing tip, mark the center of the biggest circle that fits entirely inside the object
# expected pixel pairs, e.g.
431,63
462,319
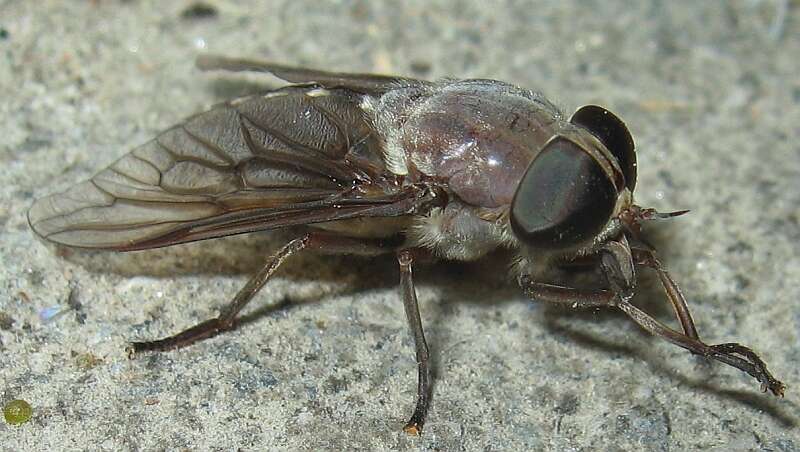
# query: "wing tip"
31,223
36,214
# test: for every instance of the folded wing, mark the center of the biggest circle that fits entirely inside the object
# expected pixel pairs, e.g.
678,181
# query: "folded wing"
296,155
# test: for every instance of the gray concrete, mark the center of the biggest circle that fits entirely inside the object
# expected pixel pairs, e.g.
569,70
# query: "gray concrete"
709,89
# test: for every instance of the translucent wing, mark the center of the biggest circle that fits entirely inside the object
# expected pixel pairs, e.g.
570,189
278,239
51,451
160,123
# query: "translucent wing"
296,155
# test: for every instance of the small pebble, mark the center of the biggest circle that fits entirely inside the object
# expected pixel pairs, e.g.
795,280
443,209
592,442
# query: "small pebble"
17,412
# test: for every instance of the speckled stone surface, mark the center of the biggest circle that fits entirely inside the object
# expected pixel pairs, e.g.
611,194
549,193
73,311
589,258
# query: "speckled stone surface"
709,89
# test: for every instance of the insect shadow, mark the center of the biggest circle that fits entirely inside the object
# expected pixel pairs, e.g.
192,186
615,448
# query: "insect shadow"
234,255
562,323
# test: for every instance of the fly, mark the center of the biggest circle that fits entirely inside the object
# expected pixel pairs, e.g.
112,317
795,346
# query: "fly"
374,165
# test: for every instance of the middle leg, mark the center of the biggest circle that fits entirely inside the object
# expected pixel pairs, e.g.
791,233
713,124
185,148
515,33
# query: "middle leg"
414,426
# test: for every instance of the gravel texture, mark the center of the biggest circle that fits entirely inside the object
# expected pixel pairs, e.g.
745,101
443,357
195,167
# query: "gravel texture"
709,89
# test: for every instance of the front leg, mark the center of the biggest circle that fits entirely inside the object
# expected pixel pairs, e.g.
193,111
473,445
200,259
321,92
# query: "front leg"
647,258
619,296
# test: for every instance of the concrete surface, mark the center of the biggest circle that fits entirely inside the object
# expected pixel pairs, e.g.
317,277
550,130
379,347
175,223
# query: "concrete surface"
709,89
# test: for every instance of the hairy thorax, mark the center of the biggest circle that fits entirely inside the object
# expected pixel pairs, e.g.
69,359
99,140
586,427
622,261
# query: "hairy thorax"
474,137
458,232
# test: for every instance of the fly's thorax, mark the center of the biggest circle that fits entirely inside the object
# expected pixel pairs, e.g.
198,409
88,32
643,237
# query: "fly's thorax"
476,136
496,147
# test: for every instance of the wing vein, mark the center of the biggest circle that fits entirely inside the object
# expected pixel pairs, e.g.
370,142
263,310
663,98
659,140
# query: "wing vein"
326,167
340,126
219,152
283,137
160,175
127,176
113,197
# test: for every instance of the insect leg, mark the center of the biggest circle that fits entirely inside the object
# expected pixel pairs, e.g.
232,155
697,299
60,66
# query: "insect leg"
414,426
648,258
734,355
227,318
644,254
616,260
574,298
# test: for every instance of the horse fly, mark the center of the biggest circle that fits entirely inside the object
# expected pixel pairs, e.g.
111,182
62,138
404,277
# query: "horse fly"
374,164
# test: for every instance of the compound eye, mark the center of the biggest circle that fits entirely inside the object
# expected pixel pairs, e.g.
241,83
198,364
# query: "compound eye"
564,198
614,134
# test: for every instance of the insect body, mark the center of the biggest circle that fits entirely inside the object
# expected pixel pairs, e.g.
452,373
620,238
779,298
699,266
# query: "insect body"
389,165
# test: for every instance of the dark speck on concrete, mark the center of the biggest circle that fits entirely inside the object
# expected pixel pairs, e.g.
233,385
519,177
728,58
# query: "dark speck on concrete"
740,247
666,177
199,10
6,321
646,427
254,379
741,281
3,34
35,277
311,392
336,385
568,404
73,301
33,143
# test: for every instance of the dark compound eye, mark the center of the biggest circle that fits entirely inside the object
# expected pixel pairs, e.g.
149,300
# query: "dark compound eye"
564,198
614,134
